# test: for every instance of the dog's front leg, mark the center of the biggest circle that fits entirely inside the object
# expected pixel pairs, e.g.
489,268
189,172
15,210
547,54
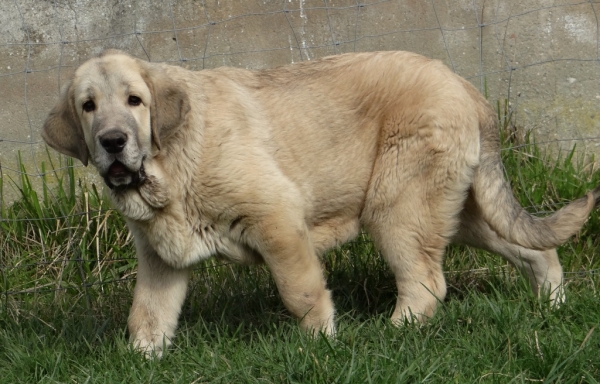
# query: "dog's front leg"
157,299
285,246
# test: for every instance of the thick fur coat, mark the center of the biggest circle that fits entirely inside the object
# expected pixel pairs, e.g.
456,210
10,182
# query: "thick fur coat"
278,166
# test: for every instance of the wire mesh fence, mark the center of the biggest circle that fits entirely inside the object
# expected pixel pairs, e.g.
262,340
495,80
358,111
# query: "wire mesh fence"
538,59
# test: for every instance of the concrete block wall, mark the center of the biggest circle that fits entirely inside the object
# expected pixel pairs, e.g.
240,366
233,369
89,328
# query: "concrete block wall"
541,55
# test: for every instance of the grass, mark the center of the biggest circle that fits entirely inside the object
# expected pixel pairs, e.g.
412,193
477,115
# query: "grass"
68,268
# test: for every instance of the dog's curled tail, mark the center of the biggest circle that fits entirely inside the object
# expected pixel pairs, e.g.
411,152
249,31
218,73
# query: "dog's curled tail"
506,216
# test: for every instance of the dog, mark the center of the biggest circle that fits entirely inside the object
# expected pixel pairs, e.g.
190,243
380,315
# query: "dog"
280,165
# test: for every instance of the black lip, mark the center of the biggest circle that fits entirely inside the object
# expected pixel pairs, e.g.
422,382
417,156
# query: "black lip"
120,173
137,178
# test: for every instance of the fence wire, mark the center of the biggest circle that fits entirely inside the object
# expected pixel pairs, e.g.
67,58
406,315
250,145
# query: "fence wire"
541,60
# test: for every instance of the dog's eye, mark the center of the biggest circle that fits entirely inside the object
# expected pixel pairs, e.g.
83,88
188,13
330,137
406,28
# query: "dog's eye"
89,106
134,101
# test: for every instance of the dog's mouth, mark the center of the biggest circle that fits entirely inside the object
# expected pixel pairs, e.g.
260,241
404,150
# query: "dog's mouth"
120,177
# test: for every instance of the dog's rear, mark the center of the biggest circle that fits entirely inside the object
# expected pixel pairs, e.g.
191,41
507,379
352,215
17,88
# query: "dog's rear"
504,213
493,219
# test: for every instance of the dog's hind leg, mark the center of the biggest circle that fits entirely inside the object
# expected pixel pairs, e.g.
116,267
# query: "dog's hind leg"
415,257
542,267
412,222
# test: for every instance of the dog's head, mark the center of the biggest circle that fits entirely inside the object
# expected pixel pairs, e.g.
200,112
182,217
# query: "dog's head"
116,112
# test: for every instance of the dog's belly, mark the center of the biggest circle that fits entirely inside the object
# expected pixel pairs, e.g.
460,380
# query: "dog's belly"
239,254
327,234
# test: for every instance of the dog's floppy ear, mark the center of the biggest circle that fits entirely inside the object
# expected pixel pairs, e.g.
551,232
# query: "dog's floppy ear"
170,103
62,129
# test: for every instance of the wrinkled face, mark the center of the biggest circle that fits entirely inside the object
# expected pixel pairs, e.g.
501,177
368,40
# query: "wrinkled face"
112,102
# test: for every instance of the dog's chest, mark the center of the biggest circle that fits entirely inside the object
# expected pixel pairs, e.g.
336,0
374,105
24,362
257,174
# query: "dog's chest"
182,241
180,232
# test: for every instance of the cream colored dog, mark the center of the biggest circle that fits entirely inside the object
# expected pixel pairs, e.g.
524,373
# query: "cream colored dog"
281,165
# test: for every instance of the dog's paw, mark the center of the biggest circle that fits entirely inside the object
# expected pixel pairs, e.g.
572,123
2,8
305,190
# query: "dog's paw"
151,348
556,295
328,330
320,319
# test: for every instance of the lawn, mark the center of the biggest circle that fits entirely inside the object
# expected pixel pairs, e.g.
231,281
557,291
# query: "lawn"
68,269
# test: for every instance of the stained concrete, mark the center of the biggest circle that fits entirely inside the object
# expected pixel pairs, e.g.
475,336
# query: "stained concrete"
543,56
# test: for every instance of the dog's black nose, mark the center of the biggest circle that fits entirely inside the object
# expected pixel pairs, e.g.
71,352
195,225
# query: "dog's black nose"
113,141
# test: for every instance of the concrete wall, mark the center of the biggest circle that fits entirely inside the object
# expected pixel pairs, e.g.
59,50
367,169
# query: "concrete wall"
543,55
